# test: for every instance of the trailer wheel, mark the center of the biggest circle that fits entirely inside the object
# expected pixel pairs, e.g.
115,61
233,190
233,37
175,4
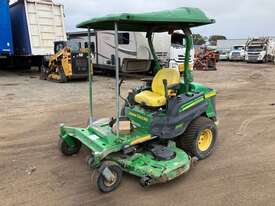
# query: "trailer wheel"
265,59
108,169
200,138
43,73
66,150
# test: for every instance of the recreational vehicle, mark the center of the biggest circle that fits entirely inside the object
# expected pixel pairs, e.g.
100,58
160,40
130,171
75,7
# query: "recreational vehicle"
134,52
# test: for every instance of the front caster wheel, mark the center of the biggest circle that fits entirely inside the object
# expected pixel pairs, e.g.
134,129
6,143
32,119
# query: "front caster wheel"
108,177
67,149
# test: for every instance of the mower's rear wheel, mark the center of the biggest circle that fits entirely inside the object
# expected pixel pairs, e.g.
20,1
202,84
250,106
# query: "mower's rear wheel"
66,149
200,138
104,185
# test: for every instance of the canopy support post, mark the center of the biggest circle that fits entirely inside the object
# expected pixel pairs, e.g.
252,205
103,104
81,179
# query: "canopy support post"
187,75
90,79
151,46
117,80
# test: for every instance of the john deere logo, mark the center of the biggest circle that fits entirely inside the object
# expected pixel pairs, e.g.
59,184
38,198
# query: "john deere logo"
139,116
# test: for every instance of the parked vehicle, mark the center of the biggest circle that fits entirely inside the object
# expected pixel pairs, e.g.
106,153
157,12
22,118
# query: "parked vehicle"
6,45
134,52
260,50
237,53
228,44
224,55
35,25
177,52
168,123
68,62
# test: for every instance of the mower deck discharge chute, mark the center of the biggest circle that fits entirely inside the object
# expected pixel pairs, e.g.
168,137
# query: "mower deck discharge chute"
165,124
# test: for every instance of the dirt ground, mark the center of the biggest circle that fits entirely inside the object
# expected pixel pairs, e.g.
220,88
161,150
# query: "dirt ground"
32,171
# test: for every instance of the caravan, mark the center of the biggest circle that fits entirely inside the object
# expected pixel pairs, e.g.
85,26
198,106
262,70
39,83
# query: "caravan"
134,52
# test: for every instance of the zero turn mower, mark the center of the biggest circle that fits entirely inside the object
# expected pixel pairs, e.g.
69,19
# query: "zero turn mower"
168,123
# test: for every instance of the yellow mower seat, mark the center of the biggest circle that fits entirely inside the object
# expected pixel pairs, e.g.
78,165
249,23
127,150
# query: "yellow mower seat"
156,97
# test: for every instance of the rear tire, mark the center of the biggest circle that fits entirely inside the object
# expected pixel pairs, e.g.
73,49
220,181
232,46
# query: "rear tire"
200,138
63,78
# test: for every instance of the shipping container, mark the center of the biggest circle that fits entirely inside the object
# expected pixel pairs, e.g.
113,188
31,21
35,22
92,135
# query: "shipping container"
6,45
36,24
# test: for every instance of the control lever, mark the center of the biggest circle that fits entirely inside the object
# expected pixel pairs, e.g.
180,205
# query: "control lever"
119,86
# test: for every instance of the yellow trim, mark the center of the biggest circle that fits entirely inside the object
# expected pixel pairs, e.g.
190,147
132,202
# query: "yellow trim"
191,104
205,140
181,67
141,139
210,94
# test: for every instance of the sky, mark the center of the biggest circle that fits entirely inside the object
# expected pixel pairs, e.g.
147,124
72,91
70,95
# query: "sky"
234,18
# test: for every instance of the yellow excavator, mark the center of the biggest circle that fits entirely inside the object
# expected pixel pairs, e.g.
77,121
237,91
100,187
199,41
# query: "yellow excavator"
65,64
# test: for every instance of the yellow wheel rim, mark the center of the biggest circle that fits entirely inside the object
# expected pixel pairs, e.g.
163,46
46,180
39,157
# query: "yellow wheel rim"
205,140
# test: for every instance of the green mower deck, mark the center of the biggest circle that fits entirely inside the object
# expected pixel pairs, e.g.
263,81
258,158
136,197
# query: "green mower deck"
105,146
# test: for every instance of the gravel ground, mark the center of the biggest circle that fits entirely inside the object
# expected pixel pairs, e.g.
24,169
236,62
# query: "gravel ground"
32,171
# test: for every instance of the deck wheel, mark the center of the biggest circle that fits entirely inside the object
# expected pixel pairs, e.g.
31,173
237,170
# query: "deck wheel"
66,149
108,177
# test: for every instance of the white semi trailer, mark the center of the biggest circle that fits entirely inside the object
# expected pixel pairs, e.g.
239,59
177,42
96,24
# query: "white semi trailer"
260,50
35,25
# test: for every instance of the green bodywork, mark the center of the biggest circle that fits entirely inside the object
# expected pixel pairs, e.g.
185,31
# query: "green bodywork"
106,145
100,139
187,75
141,117
144,164
161,21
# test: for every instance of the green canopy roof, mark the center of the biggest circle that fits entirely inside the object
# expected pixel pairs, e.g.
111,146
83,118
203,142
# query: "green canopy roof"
159,21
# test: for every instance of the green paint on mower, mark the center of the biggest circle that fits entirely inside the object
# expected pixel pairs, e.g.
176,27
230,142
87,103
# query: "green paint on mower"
162,142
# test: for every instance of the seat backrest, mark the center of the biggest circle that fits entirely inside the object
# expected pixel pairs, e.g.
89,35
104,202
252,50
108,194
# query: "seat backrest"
171,75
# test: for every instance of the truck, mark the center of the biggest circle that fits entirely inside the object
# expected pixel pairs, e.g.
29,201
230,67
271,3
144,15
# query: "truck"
260,50
225,46
6,45
134,53
35,25
237,53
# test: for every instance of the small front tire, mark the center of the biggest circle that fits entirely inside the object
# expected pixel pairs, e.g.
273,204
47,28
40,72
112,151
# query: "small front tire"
66,149
102,184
